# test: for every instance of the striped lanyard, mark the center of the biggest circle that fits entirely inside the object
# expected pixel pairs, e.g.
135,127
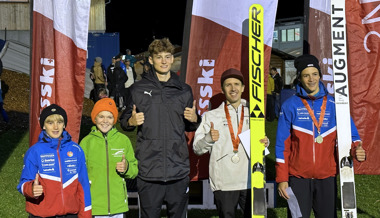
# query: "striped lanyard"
322,115
235,140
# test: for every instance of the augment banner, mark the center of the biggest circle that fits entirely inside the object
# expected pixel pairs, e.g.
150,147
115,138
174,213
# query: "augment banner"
218,40
59,48
363,40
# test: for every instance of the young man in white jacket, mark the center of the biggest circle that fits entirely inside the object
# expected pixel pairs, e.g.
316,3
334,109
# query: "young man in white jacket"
229,166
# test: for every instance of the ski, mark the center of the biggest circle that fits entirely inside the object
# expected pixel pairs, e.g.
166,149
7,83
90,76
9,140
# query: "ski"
256,109
342,106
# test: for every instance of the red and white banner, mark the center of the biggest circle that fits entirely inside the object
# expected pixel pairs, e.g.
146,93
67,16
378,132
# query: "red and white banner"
219,41
59,49
363,39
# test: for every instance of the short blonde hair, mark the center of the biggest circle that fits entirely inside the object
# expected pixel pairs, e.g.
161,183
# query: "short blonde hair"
54,117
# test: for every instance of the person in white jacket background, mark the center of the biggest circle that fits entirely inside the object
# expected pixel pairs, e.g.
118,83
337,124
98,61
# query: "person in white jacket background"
229,166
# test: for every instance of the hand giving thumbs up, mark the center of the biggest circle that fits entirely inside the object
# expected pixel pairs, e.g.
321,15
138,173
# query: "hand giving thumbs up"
136,118
214,133
360,152
190,113
37,188
121,167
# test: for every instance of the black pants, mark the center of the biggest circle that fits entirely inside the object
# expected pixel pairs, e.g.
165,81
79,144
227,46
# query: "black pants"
317,194
227,201
174,194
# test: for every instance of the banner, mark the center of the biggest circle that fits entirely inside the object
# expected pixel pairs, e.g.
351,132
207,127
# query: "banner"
218,40
363,39
60,31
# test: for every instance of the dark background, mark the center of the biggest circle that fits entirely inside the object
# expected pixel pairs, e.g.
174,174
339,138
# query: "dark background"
140,21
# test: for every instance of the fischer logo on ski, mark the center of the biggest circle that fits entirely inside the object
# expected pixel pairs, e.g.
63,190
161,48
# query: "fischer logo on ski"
256,108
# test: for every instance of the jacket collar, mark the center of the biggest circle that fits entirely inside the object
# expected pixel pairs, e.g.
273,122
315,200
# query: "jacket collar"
243,103
96,132
172,82
301,92
53,143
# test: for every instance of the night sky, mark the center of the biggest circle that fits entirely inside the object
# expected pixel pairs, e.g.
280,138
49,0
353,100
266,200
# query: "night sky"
138,21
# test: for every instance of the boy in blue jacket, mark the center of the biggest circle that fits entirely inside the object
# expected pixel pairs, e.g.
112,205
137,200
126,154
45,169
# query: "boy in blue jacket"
54,178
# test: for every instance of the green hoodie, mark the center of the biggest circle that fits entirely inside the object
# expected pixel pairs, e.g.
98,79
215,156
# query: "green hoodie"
108,187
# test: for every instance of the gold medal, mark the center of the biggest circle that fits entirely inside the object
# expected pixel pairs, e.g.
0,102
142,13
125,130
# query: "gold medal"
319,139
235,158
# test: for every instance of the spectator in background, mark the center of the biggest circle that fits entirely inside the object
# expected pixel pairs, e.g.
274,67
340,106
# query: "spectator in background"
120,58
270,100
129,56
112,65
98,76
116,78
131,79
102,93
131,76
146,66
132,59
278,85
110,161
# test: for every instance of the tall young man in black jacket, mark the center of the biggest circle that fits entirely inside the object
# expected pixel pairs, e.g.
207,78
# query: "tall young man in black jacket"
162,107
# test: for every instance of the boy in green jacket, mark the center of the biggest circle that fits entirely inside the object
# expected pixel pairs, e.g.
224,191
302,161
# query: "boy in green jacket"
110,160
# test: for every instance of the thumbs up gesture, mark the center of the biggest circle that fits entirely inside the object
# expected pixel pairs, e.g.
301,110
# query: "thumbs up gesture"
265,141
121,167
360,152
190,113
214,133
37,188
137,118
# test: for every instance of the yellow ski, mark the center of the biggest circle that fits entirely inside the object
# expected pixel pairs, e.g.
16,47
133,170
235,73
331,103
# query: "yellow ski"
256,108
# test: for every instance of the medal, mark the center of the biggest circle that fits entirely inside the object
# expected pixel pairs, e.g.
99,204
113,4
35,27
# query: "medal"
319,139
235,140
235,158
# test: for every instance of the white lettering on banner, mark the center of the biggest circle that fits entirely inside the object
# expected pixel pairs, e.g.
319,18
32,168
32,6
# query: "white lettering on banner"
367,20
366,39
46,79
328,78
367,1
206,90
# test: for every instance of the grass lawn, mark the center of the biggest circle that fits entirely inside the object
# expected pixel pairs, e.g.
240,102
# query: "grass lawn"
14,143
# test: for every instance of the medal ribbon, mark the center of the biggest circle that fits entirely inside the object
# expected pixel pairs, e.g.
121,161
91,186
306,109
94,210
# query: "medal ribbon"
323,110
235,141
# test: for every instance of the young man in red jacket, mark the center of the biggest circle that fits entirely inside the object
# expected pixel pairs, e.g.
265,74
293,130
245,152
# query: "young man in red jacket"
306,151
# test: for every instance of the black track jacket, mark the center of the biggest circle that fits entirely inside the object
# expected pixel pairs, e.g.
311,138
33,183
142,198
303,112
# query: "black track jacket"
161,147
